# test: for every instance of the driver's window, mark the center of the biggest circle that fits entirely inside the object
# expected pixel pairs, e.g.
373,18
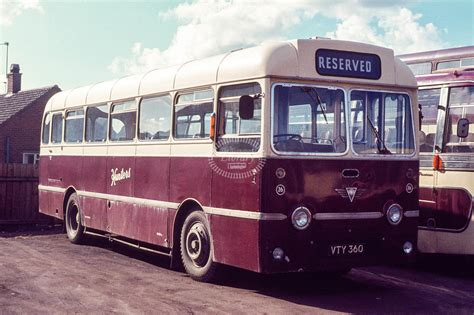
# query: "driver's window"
299,120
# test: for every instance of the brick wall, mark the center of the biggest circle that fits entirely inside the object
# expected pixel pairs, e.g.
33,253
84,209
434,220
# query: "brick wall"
24,130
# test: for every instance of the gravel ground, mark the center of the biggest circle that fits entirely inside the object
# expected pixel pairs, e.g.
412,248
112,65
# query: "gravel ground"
42,272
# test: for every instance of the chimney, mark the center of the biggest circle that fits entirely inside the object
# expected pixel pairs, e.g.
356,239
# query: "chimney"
14,79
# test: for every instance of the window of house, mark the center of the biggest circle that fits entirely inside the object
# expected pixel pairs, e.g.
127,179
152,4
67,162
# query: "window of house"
192,115
155,118
96,123
234,133
30,158
46,125
74,129
123,121
57,128
429,101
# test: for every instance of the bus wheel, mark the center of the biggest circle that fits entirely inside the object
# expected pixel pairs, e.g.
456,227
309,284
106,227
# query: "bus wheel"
74,227
196,247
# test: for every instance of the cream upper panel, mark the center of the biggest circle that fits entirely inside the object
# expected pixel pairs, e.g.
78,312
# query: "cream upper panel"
292,59
158,80
126,87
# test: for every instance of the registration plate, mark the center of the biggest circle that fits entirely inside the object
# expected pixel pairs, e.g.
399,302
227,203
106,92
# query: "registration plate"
346,249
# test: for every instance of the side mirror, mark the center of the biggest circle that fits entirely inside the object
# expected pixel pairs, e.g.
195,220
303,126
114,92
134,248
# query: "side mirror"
463,128
246,107
420,116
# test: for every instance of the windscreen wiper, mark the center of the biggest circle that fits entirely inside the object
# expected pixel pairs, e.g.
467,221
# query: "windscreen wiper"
315,97
381,147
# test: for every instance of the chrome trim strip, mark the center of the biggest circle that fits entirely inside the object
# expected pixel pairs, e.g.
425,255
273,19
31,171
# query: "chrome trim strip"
245,214
412,213
51,188
134,200
174,205
348,215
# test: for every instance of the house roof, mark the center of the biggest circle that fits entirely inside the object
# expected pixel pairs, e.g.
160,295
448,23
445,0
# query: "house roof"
11,104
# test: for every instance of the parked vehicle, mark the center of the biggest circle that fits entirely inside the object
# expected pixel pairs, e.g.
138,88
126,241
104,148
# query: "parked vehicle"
289,156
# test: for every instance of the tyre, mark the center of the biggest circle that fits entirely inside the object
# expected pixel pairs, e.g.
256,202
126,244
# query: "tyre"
73,220
196,248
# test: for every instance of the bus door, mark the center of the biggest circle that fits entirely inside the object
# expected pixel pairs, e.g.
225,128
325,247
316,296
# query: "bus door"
433,104
454,181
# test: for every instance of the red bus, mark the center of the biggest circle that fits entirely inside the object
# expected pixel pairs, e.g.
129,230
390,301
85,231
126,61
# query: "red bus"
289,156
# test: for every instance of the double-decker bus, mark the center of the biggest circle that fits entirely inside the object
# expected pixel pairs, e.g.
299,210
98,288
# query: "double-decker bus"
427,62
289,156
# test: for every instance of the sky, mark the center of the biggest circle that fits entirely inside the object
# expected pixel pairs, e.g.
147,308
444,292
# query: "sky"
74,43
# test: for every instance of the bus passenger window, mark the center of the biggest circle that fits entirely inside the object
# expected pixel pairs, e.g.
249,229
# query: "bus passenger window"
74,128
154,123
123,121
448,64
420,68
461,105
57,131
237,134
46,125
96,123
192,115
429,101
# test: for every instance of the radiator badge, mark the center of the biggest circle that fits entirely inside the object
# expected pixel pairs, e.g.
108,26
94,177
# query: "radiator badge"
119,176
350,192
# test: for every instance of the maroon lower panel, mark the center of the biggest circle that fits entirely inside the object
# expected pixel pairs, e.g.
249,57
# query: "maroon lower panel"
449,209
236,241
94,213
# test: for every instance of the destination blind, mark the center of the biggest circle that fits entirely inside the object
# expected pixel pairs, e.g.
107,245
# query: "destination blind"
348,64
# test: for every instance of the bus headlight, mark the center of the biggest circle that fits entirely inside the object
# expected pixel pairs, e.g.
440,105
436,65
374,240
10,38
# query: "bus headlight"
301,218
394,214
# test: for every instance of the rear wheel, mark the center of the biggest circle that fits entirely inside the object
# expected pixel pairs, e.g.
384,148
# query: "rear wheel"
197,248
74,227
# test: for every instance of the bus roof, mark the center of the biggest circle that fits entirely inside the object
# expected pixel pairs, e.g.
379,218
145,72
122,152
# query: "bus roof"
454,77
289,59
445,54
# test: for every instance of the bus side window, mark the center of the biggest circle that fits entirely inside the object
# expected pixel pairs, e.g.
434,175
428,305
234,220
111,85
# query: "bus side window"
123,121
57,128
96,123
74,126
461,100
234,133
46,125
429,101
192,114
154,122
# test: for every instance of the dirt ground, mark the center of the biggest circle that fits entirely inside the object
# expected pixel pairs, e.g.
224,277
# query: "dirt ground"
47,274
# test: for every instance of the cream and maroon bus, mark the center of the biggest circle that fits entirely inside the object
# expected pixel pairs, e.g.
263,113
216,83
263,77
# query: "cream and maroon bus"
446,97
289,156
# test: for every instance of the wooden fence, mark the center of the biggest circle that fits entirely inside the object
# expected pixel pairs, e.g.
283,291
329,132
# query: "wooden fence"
19,195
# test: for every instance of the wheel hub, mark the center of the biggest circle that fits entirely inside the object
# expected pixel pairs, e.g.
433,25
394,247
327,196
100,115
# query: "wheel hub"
197,244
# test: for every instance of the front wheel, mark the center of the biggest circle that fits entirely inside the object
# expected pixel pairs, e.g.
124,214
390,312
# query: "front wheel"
74,227
197,248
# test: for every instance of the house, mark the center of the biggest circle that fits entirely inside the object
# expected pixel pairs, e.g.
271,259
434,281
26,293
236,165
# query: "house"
20,119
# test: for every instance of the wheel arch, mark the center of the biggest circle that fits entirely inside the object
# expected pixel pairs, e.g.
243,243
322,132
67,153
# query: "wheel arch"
69,191
184,209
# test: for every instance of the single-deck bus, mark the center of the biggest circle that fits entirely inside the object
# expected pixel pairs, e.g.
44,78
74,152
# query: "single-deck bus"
289,156
443,60
447,162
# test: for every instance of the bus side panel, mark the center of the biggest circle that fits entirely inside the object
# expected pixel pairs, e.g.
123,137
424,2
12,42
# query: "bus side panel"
43,195
121,217
94,179
190,178
151,182
236,239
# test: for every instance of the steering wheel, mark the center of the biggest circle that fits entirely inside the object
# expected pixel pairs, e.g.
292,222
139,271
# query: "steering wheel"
291,136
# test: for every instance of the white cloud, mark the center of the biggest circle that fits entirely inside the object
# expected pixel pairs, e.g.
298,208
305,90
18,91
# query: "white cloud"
210,27
9,9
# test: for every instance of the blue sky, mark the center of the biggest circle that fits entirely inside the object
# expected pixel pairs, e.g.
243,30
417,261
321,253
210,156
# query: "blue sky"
74,43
